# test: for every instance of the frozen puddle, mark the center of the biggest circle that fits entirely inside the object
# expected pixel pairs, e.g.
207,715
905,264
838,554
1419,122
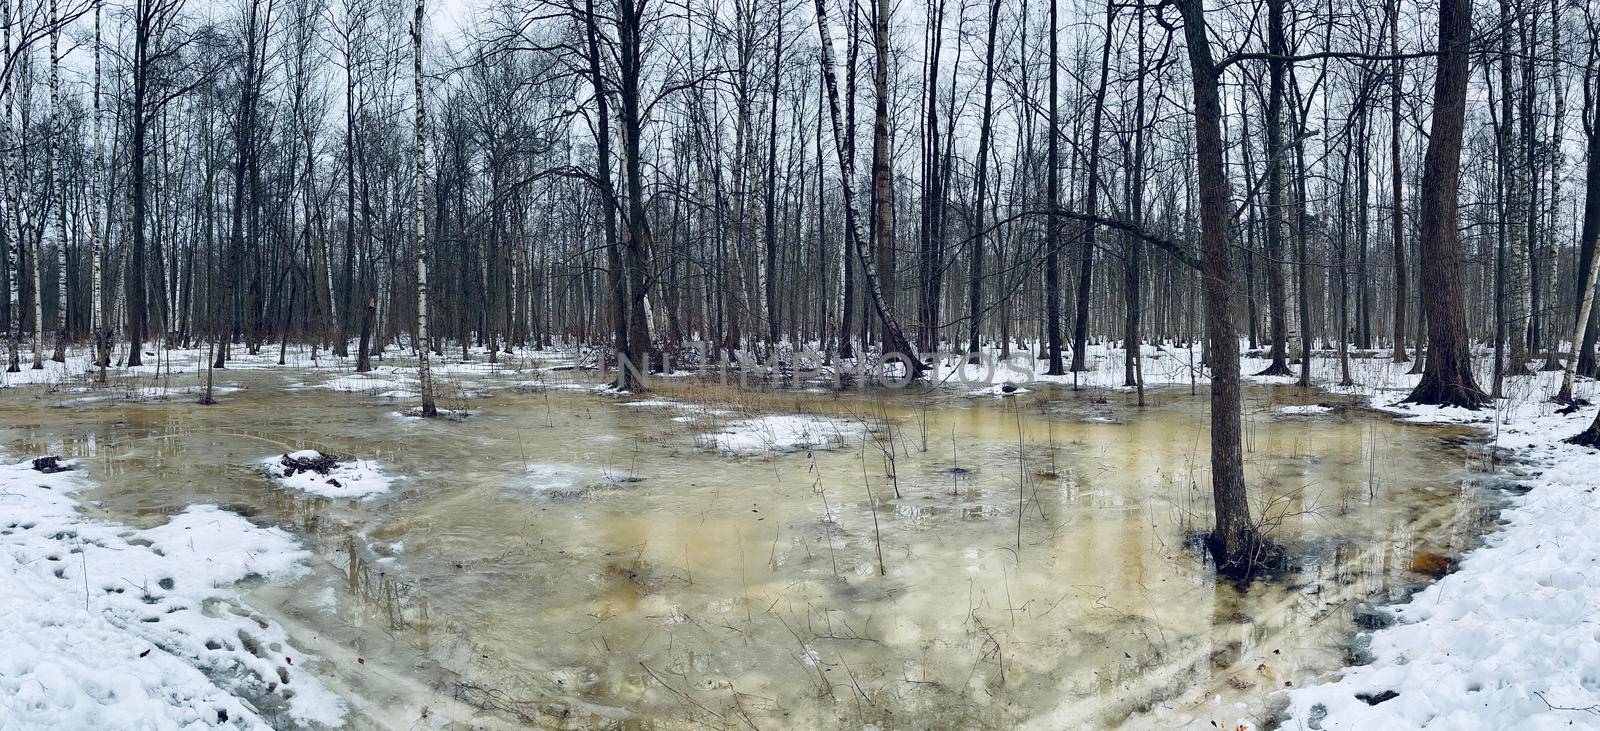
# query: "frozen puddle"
506,578
780,433
690,412
557,479
1306,410
109,627
351,478
163,393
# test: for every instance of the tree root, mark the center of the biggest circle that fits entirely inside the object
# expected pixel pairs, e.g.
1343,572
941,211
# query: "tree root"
1254,556
1437,391
1276,369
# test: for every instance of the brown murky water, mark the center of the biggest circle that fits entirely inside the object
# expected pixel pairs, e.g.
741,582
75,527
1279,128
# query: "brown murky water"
562,559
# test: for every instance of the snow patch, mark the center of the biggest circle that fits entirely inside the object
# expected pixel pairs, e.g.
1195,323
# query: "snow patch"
780,433
352,478
390,387
1508,639
1305,410
999,390
113,628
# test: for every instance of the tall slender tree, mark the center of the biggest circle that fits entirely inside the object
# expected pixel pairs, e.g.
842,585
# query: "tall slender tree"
419,240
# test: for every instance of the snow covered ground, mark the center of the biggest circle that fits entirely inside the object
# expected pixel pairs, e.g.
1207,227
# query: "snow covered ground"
110,628
352,478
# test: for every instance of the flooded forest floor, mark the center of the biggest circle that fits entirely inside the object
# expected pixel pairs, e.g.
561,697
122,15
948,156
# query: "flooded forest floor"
307,553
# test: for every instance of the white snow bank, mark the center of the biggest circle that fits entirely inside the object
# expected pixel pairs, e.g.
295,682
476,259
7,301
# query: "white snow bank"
1508,641
112,628
780,433
351,478
1511,639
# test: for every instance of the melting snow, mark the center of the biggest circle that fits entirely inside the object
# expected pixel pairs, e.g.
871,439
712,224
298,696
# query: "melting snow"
107,627
780,433
352,478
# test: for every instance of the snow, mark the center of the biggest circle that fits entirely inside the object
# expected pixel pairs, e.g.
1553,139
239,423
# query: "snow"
780,433
414,414
52,373
999,390
351,478
108,627
163,393
654,404
1509,640
382,386
1306,410
691,412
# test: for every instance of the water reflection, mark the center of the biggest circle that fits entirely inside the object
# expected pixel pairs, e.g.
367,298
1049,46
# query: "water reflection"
561,560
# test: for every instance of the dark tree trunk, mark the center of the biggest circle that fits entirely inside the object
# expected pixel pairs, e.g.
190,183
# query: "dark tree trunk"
1080,324
608,199
1132,247
981,188
1397,215
770,283
630,32
1234,540
1447,376
1052,264
1277,303
1589,237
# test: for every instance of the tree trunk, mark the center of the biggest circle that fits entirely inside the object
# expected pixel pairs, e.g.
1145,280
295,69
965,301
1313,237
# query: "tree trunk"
1397,215
607,190
1277,304
630,33
894,337
769,282
58,214
100,333
1447,376
419,239
1052,265
1131,341
1080,325
1234,541
1589,272
981,190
